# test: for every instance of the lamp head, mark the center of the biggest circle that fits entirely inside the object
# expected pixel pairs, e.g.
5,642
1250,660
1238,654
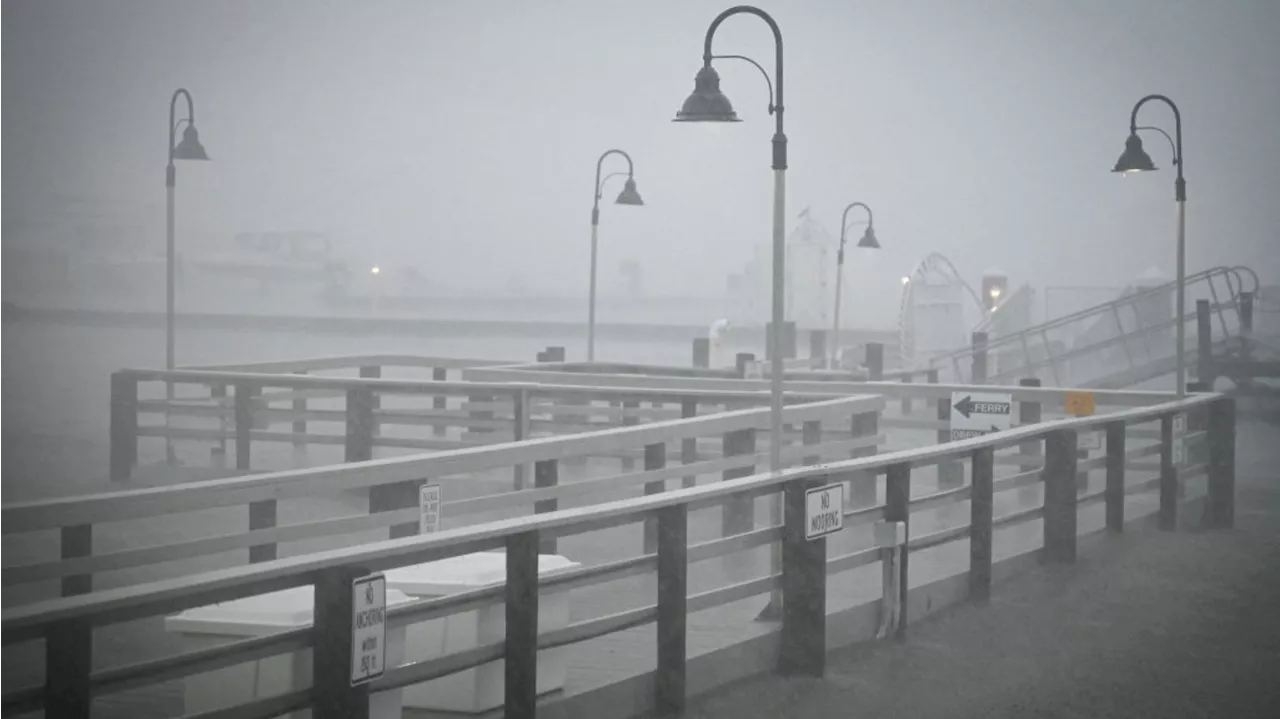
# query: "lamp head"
190,148
1134,158
629,196
707,103
868,240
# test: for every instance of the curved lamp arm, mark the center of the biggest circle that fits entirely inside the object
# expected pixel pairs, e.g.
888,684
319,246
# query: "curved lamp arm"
1172,147
605,181
1180,184
595,197
767,80
779,137
844,225
173,123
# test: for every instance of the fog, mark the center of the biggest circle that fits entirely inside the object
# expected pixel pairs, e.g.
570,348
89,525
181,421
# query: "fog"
461,137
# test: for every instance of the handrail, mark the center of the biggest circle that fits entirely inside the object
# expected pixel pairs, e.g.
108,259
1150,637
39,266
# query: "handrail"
350,362
996,342
119,605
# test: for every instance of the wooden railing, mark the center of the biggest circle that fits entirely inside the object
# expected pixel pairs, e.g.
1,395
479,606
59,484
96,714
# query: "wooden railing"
66,625
392,488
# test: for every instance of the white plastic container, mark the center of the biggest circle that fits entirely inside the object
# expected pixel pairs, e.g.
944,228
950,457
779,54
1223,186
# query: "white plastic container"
257,616
479,689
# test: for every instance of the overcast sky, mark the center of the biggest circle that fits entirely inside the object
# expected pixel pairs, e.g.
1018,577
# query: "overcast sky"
462,137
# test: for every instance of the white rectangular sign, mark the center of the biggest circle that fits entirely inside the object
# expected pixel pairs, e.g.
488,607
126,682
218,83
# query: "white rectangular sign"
428,508
1090,440
368,628
823,511
978,413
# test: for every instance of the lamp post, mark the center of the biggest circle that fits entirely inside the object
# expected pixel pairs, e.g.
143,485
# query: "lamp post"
868,241
708,104
628,196
1135,159
188,149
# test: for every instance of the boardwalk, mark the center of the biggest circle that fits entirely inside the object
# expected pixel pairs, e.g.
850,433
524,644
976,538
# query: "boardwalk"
1171,625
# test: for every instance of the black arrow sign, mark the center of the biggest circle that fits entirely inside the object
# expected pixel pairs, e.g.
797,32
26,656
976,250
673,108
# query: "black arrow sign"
968,407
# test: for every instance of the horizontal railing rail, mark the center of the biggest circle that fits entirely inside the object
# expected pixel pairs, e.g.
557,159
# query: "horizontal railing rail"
66,625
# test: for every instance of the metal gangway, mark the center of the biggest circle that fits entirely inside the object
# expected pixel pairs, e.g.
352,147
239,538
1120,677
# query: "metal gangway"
1121,343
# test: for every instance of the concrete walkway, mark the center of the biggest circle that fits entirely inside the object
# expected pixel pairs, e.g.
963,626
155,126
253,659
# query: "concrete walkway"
1155,625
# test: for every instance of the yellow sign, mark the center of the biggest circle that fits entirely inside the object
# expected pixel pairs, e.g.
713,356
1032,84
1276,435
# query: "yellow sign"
1080,404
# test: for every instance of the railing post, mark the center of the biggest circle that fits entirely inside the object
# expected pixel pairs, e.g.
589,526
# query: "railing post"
862,489
629,419
818,348
1168,517
299,425
76,541
124,425
701,352
673,568
906,399
741,360
218,454
655,458
979,370
1245,314
803,644
1222,463
1029,412
951,472
394,496
333,696
1060,496
245,393
897,508
68,660
1115,493
875,361
546,473
520,401
739,513
1204,342
262,515
359,443
373,372
440,402
980,530
520,665
688,445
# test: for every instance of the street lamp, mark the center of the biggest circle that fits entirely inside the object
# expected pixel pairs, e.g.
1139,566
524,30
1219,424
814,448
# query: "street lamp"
628,196
188,149
869,242
708,104
1135,159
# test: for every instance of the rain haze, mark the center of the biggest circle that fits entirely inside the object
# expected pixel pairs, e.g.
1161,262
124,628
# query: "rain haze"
408,179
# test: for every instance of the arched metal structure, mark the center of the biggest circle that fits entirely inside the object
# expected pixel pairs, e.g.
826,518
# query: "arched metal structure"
933,267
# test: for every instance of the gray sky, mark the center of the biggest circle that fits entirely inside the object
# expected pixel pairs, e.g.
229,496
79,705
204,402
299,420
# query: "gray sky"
462,136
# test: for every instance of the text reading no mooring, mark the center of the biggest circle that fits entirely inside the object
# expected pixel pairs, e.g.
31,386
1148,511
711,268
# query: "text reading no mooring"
823,511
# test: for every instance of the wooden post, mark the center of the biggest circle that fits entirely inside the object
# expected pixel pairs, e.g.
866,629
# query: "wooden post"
1168,517
440,402
299,424
673,568
629,419
359,443
979,371
373,372
906,399
76,541
980,528
688,445
739,513
1222,463
741,360
245,393
68,660
389,498
950,472
1204,342
520,401
1115,476
818,348
875,361
803,644
218,454
124,425
1060,497
1029,412
655,458
1244,310
546,473
862,492
262,515
520,664
333,696
897,508
701,352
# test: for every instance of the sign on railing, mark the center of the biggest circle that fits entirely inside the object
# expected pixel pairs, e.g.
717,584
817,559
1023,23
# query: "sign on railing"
368,628
978,413
823,510
428,508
